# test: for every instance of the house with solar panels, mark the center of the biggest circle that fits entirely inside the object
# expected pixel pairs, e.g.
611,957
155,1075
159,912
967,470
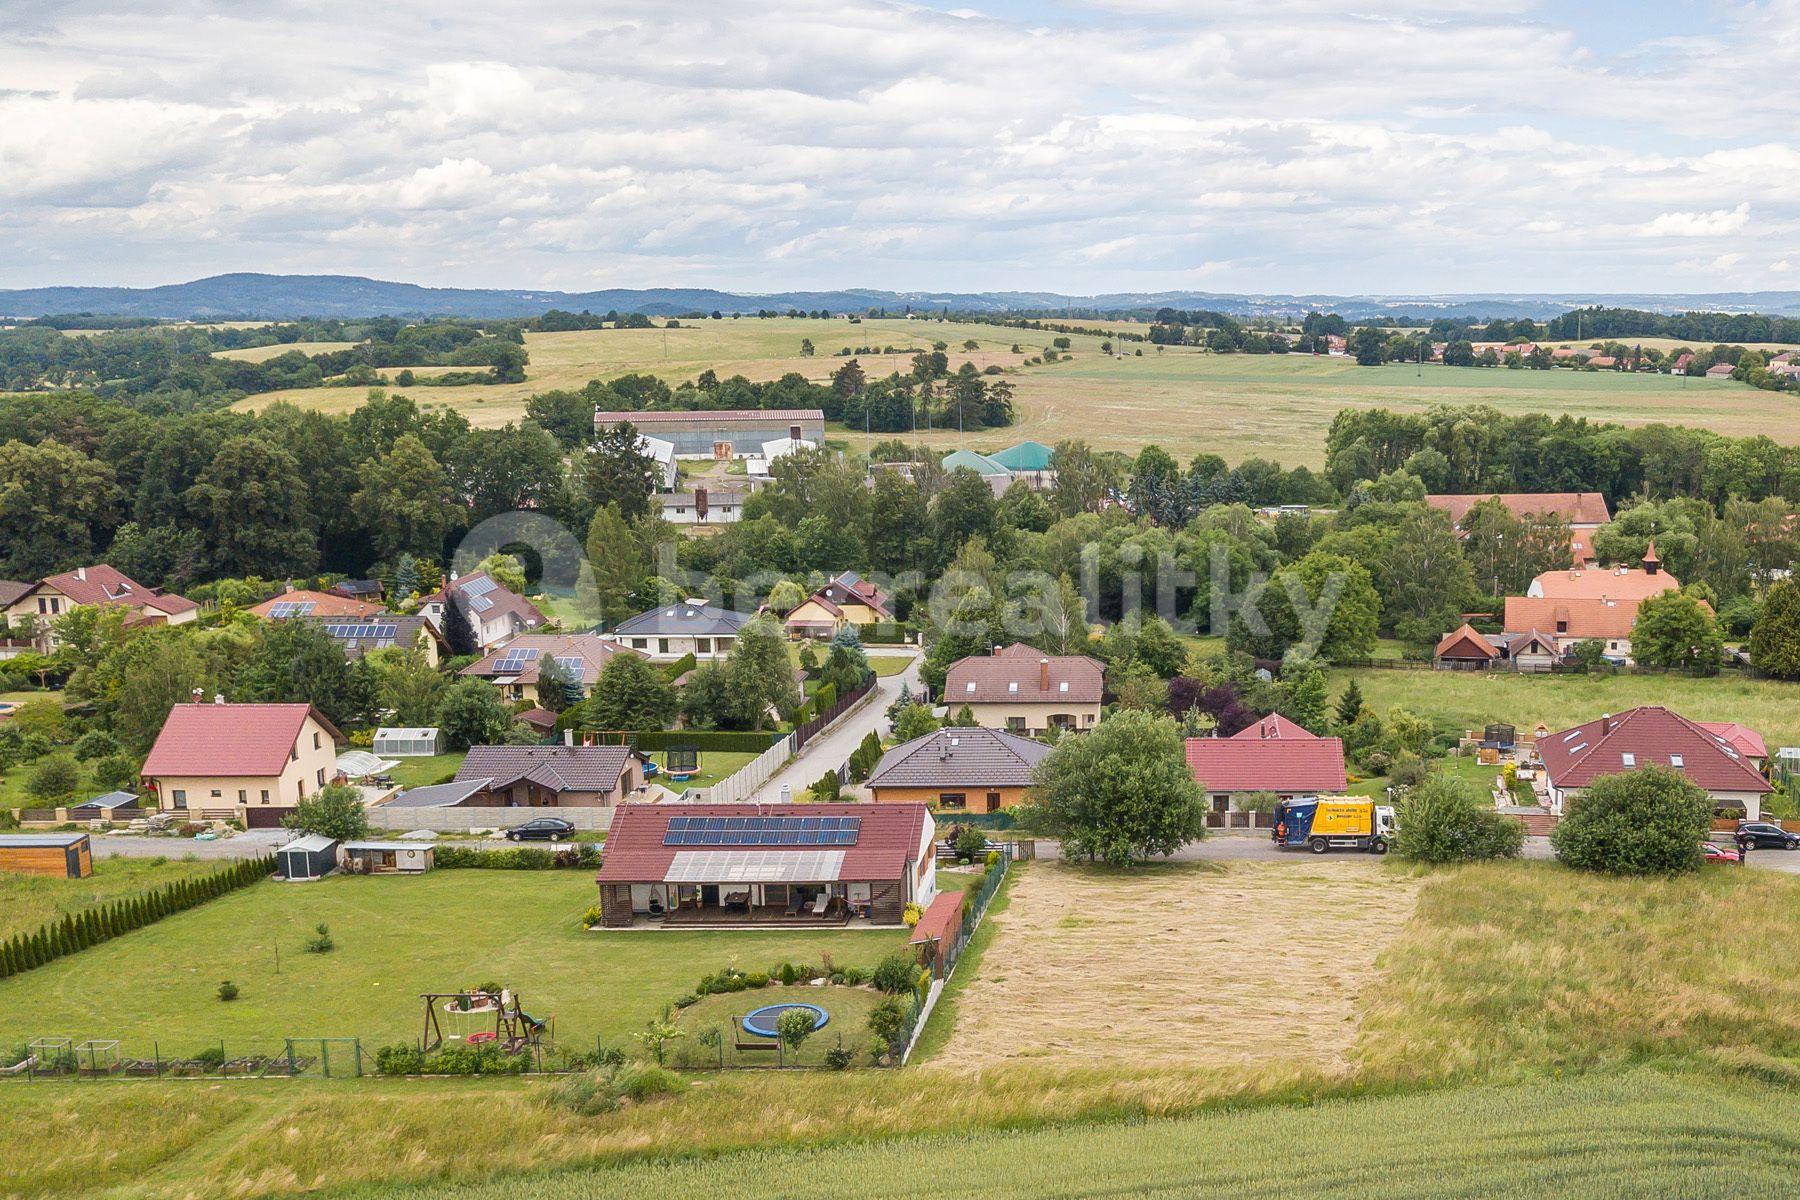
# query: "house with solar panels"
496,613
300,602
514,667
759,865
358,636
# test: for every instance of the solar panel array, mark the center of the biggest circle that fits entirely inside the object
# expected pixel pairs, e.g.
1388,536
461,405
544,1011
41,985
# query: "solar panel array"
477,593
358,630
762,831
571,666
290,608
514,661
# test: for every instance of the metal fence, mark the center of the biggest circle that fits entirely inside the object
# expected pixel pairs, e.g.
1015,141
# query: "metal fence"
949,955
105,1058
811,729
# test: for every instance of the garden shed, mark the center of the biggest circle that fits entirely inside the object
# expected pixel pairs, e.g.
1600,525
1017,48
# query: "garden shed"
311,857
388,858
408,743
59,855
110,806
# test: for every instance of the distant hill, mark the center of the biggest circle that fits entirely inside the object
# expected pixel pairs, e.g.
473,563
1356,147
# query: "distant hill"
275,297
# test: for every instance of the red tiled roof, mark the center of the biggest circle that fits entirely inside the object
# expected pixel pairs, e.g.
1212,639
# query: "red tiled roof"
887,844
1275,726
593,650
1466,640
1575,757
324,604
1580,508
1571,618
1744,740
503,600
985,679
101,584
941,919
230,739
1291,766
1603,583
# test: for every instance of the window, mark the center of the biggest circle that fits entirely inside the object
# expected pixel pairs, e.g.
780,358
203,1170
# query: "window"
702,645
315,739
971,687
1221,803
1013,687
1675,760
265,795
216,793
1063,686
1628,759
1015,724
179,795
956,801
321,776
640,643
243,796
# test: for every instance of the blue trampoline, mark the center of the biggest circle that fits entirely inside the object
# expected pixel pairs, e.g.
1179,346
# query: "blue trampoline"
762,1021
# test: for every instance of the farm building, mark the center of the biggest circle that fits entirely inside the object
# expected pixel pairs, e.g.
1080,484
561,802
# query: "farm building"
1464,649
958,770
997,477
59,855
109,806
731,433
408,743
681,866
705,506
1273,755
311,857
1029,463
386,858
1023,690
1584,511
1589,604
1611,745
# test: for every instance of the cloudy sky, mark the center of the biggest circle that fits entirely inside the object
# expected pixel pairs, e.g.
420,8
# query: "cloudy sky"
1069,145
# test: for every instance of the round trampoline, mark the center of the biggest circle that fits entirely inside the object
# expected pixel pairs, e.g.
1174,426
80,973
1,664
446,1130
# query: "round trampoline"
762,1021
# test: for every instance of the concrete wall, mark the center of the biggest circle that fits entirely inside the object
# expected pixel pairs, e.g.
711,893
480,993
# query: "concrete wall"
461,820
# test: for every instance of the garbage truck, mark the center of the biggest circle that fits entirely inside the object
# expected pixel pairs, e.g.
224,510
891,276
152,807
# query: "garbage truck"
1327,824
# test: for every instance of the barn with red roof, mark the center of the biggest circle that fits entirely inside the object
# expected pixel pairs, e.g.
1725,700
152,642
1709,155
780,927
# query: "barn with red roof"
761,865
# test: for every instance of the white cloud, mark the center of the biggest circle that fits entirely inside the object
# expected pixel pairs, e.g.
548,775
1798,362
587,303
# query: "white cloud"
1285,145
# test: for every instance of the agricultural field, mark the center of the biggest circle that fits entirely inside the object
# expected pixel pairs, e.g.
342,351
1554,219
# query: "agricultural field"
258,354
28,901
395,938
1474,698
1276,406
1178,964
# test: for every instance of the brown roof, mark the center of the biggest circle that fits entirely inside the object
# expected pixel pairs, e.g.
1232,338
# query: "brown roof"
1018,675
593,651
886,846
101,584
1465,642
1603,583
1275,726
1571,618
498,599
229,740
1580,508
960,757
11,590
324,604
1611,745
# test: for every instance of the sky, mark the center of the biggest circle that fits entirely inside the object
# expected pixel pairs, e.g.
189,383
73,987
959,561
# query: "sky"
1076,146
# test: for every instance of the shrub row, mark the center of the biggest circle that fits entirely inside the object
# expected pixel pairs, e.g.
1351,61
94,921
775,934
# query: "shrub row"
103,922
724,740
520,858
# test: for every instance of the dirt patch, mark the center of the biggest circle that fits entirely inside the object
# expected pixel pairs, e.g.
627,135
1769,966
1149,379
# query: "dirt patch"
1204,963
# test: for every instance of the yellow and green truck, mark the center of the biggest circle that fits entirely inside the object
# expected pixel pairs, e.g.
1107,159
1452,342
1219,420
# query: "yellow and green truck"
1322,824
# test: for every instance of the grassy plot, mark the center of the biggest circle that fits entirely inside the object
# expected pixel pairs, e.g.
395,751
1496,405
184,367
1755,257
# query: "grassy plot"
1188,963
1641,1135
847,1008
395,939
28,901
427,769
1472,698
886,665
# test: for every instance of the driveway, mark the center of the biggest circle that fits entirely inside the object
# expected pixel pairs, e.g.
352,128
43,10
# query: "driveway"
830,750
253,843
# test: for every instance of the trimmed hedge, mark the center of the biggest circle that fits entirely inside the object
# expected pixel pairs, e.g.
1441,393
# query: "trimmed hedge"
103,922
520,858
680,667
737,741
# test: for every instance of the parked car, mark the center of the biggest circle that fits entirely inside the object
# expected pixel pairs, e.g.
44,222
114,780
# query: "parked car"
1719,854
1766,835
541,829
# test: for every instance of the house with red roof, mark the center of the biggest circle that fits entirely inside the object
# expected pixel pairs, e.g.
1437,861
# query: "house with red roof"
1584,511
760,865
1274,755
1653,735
1023,690
98,586
303,602
848,599
1465,649
1590,603
247,762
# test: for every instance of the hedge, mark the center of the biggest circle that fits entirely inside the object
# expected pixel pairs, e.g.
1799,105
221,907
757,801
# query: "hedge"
521,858
730,740
680,667
103,922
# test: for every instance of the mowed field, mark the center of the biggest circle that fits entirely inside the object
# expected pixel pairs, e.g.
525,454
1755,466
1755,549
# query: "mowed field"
1276,406
1191,963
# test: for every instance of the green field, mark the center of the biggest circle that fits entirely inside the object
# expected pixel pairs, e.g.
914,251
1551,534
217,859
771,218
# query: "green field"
28,901
1559,701
427,769
395,938
1277,406
1641,1135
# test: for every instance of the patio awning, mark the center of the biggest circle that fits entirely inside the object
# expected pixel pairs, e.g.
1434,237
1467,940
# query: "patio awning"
755,866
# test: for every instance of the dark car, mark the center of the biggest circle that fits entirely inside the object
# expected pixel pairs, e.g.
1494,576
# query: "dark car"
1766,835
541,829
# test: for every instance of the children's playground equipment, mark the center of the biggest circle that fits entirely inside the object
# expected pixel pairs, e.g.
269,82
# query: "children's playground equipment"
483,1016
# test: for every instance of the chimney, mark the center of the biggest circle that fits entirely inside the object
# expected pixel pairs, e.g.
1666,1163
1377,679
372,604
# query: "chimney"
1043,674
288,587
1606,724
700,503
995,651
199,695
218,697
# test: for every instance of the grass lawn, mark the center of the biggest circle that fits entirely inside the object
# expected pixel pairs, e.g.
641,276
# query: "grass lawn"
28,901
714,766
395,938
427,769
564,611
14,795
1278,406
1474,698
847,1007
1461,765
886,665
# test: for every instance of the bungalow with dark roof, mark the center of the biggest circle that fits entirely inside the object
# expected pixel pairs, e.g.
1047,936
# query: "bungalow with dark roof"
958,770
1611,745
550,776
760,865
674,631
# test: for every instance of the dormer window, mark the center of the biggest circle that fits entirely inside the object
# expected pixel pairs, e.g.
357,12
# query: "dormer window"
1013,687
1628,758
1063,686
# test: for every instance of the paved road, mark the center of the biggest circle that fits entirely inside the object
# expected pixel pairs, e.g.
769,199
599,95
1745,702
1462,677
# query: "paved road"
1246,847
831,750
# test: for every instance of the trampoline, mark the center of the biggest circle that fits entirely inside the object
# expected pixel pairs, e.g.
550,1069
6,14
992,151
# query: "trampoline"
762,1021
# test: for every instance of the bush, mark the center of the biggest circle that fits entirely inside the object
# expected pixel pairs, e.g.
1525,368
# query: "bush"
1446,820
227,990
1643,822
592,917
970,843
837,1058
855,976
895,972
641,1082
335,811
116,772
597,1092
887,1021
320,942
96,743
55,777
911,915
399,1059
757,979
